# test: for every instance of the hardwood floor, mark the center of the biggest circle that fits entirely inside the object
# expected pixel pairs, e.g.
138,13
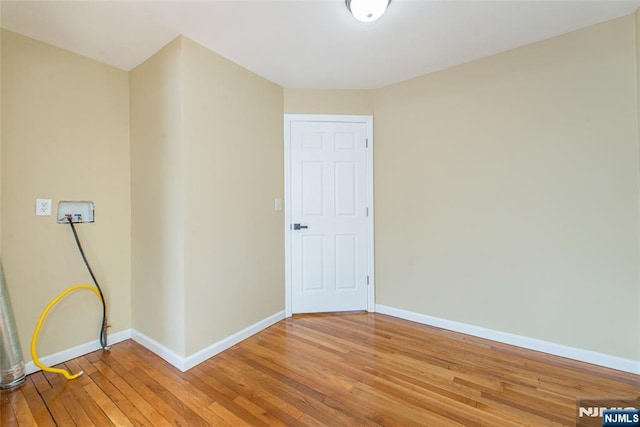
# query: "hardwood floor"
340,370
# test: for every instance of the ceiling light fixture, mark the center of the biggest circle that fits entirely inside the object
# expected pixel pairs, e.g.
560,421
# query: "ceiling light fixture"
367,10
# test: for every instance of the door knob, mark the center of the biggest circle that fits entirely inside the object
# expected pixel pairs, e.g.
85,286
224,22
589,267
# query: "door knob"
299,226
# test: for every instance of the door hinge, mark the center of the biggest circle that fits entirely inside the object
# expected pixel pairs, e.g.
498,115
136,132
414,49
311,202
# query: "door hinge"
367,280
367,211
366,144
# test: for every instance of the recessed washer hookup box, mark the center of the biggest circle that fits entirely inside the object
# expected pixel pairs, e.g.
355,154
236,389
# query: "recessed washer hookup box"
79,212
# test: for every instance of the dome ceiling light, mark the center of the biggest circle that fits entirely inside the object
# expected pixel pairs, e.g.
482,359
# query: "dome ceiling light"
367,10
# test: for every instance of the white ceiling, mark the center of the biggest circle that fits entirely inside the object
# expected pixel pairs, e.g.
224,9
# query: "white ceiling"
307,43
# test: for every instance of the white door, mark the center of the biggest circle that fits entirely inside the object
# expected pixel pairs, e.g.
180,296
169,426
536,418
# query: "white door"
327,213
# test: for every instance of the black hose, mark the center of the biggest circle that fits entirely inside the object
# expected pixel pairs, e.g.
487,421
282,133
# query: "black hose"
103,328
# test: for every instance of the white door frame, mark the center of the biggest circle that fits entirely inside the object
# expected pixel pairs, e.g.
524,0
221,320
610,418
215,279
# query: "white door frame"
368,121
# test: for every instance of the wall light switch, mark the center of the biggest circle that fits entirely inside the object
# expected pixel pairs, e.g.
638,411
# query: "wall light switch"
43,207
278,204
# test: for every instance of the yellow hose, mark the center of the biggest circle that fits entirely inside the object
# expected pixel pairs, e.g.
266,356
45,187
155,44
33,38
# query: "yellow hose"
34,339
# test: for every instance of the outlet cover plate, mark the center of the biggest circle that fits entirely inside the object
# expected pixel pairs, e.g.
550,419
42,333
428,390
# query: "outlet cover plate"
43,207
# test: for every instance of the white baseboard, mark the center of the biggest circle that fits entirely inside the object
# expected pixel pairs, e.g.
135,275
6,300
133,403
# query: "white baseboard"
601,359
186,363
161,350
212,350
72,353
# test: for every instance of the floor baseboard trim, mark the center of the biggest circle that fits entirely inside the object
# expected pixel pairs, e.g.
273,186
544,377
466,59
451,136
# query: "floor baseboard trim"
600,359
186,363
160,349
230,341
80,350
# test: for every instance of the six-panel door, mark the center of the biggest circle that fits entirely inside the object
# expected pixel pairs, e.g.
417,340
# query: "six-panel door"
328,195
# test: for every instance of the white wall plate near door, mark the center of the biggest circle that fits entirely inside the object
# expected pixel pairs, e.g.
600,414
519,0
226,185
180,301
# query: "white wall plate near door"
79,212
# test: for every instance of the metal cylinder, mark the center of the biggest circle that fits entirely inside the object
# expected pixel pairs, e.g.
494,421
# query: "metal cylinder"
11,362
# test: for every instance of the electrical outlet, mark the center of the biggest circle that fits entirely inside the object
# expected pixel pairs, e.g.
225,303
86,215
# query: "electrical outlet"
43,207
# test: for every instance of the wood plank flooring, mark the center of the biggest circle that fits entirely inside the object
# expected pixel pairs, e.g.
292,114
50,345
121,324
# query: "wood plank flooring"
333,370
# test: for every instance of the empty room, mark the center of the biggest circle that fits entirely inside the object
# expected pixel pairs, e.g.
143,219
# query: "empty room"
320,212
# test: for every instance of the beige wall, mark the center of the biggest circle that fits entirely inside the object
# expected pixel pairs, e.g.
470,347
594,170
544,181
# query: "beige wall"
328,101
157,191
637,27
637,22
507,192
206,139
0,137
65,136
234,244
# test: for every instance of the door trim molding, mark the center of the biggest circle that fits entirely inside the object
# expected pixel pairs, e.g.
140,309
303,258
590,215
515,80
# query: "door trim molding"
288,120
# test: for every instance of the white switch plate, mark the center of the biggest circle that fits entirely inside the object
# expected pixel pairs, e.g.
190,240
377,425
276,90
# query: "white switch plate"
43,207
278,204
